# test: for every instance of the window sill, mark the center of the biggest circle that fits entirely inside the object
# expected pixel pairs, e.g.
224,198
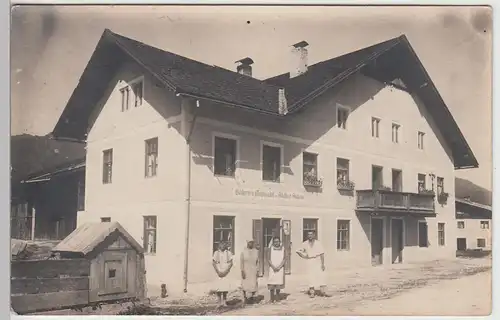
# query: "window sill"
343,250
150,254
224,176
150,177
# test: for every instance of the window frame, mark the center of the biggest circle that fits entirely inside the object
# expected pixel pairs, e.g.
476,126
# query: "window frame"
219,135
375,126
130,98
441,234
340,232
461,222
440,184
420,140
107,166
81,192
483,223
147,153
348,170
347,111
424,186
477,242
146,231
105,219
306,230
281,147
232,229
395,133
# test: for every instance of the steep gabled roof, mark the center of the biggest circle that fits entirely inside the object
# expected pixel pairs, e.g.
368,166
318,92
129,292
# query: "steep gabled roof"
395,57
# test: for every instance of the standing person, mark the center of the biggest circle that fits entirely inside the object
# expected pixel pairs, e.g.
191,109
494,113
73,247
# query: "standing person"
312,250
222,261
276,260
249,263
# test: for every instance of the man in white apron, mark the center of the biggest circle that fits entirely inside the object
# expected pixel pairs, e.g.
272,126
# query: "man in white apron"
312,250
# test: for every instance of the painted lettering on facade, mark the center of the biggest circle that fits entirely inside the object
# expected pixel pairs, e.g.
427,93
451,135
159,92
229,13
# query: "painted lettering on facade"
268,194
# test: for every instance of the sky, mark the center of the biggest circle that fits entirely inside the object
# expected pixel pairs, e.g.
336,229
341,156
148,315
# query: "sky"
51,45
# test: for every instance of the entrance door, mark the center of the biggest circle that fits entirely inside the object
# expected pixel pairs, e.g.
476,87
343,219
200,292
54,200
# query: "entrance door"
377,240
461,244
397,240
263,232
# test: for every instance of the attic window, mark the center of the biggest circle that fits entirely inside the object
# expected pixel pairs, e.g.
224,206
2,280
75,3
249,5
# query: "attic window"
132,94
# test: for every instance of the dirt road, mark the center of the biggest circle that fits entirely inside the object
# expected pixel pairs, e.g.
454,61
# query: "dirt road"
468,296
460,287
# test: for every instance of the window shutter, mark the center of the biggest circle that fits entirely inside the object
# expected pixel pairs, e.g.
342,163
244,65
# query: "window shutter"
257,236
287,244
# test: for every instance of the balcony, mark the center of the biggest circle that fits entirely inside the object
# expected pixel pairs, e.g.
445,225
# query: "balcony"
395,202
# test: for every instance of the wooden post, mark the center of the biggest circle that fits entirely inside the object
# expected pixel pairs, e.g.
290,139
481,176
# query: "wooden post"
33,222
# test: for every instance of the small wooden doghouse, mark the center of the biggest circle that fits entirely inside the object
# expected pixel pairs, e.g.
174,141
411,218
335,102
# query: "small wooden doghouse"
117,269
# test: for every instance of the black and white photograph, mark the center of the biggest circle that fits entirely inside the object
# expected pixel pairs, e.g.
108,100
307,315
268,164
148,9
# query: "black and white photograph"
210,160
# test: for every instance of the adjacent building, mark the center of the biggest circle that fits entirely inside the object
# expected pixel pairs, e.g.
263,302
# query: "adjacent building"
47,187
473,224
360,149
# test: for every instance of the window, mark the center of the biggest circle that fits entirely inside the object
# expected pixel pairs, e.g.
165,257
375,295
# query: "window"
225,156
423,240
461,224
421,182
310,167
223,232
151,157
125,93
105,219
107,165
440,185
81,193
149,234
395,132
485,224
132,94
271,163
309,225
421,140
441,235
137,90
481,243
343,234
342,170
375,127
342,115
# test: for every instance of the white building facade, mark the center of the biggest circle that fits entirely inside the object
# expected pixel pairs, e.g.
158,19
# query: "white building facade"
367,166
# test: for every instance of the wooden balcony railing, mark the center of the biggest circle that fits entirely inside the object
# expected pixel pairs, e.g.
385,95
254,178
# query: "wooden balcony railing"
385,200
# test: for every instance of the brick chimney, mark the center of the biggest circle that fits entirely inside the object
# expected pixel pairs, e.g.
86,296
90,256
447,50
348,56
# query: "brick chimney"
245,66
299,56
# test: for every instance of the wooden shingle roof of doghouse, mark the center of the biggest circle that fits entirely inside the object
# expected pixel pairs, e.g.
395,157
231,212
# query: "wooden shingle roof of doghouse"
87,237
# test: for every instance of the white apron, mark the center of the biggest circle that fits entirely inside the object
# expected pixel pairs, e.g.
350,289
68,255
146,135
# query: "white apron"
276,256
316,277
222,260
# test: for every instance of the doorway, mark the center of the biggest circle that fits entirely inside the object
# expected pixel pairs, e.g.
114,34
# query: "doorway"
397,240
461,244
397,180
377,240
377,177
